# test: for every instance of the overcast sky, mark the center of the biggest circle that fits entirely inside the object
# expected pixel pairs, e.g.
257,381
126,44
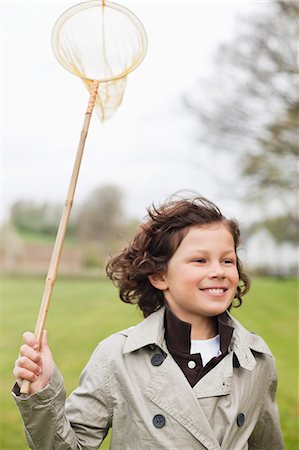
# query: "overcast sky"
147,148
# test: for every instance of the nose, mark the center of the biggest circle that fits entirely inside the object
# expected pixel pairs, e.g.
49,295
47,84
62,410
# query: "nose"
216,271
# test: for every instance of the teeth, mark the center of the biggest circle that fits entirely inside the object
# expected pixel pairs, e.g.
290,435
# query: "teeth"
216,291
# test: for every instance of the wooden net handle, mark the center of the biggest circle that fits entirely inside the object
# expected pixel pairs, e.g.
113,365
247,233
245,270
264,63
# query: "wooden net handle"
53,267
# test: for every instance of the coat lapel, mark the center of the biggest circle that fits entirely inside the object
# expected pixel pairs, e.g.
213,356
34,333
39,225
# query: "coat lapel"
180,402
218,381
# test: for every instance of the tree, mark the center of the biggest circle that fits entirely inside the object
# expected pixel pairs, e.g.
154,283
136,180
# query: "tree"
249,107
101,216
32,217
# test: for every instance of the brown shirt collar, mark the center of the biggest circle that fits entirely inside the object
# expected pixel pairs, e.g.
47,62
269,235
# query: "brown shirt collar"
178,333
178,340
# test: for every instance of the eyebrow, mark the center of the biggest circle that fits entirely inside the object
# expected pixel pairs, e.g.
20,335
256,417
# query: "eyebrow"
226,252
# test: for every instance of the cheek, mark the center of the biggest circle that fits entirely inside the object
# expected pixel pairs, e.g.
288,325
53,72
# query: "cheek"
235,277
192,274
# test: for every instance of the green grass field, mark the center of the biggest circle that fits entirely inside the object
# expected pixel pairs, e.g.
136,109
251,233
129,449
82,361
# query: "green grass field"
83,312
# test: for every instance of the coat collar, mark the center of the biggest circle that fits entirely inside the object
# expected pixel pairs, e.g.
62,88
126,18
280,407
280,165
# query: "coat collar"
244,343
148,332
151,332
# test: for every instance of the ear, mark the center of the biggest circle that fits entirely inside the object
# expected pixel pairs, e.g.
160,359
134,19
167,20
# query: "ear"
158,280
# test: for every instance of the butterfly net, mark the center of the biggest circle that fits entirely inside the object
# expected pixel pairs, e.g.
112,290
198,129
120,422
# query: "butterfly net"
100,40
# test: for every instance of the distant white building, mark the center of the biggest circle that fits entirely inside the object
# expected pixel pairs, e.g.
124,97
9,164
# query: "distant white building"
263,253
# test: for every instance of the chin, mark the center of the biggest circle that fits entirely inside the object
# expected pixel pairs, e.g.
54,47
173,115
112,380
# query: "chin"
217,311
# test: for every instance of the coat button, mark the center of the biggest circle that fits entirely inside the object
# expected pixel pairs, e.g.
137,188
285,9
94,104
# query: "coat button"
240,419
157,359
159,421
191,364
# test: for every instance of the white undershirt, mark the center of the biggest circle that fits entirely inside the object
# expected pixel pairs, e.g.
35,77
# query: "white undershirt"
208,348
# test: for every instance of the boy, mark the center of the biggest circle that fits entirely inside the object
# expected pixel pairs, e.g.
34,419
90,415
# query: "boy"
189,376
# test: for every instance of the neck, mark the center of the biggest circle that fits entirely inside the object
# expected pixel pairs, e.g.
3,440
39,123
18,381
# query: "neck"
203,329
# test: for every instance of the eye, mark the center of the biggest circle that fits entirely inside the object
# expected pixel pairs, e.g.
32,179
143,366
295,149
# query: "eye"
200,260
229,261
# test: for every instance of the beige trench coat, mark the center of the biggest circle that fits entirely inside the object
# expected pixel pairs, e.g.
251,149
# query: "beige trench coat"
149,403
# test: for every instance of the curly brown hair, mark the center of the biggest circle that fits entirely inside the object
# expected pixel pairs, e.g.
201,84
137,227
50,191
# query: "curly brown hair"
154,244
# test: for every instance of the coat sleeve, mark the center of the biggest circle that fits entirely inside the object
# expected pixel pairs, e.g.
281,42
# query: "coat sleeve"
80,423
267,433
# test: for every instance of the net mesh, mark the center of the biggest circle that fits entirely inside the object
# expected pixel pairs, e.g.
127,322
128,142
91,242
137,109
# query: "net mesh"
104,41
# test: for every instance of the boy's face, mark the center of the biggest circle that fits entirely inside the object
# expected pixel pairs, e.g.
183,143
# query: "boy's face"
201,277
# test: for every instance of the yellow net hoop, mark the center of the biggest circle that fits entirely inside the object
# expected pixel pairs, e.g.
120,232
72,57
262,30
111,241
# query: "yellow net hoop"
100,40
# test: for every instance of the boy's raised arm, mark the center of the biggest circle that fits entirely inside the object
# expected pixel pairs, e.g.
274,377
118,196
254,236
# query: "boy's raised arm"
48,424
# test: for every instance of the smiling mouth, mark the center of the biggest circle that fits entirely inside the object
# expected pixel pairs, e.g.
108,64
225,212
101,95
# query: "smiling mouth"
215,291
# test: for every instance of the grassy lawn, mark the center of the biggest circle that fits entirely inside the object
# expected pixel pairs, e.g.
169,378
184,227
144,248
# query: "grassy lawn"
83,312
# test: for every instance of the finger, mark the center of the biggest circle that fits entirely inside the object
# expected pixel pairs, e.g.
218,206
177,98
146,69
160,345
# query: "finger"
30,353
24,363
20,373
30,339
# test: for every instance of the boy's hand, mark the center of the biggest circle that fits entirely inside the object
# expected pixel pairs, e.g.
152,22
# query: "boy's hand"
33,365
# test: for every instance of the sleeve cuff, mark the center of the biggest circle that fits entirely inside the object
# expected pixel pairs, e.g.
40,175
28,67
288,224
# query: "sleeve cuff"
45,395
